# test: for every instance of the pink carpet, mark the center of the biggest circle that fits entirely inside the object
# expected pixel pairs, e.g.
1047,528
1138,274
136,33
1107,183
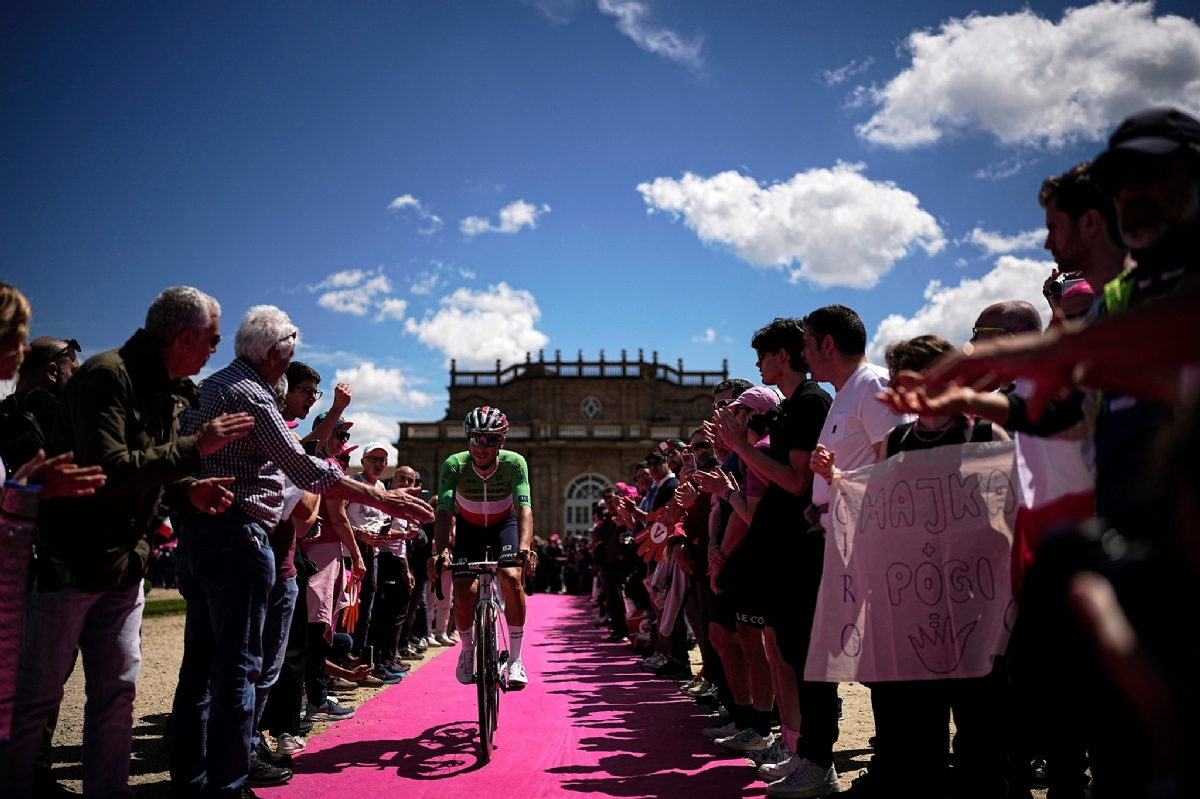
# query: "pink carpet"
589,722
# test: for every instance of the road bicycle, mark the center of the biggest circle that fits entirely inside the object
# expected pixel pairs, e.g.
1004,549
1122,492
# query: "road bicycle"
491,676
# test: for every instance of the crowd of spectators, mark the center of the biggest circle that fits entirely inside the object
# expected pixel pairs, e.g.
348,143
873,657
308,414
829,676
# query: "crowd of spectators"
304,582
720,539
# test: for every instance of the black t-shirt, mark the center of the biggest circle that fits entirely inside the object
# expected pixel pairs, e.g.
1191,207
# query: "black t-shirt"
666,492
796,425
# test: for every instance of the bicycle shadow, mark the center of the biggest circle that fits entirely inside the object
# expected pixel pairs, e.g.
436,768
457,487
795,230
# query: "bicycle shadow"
439,753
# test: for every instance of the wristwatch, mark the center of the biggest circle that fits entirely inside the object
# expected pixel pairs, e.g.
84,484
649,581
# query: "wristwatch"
728,494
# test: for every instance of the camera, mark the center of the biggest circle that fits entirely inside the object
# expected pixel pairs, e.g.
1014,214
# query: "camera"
1058,287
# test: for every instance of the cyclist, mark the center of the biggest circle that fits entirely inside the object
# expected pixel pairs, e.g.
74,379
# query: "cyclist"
484,494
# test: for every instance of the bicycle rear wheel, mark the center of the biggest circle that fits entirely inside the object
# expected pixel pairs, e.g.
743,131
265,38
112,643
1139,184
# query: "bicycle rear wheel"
485,677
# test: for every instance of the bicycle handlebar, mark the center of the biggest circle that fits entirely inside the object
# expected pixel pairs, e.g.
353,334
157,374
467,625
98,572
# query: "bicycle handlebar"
481,566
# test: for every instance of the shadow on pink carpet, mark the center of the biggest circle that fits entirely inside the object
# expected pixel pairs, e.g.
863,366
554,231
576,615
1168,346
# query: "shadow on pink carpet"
589,723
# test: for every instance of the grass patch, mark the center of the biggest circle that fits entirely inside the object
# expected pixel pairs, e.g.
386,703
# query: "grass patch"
165,607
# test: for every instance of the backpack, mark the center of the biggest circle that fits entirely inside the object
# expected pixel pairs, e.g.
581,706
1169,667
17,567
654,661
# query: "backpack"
20,434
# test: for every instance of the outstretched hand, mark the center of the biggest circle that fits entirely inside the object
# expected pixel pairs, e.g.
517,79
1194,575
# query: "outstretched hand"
210,494
59,477
219,431
400,504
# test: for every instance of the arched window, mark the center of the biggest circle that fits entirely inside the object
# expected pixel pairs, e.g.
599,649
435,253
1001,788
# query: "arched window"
582,494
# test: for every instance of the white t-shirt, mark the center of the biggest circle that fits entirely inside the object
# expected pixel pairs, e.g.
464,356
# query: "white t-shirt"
856,423
361,515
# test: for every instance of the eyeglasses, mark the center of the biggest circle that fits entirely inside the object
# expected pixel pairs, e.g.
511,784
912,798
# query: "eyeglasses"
978,332
72,346
702,445
721,403
375,458
342,435
481,440
315,393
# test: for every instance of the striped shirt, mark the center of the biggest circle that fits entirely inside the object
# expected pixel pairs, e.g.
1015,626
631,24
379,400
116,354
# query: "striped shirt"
260,460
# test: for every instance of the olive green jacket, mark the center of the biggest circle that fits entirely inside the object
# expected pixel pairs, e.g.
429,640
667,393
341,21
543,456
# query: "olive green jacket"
120,410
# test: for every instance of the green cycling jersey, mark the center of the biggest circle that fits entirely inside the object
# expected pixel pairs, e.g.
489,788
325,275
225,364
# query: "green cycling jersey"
481,501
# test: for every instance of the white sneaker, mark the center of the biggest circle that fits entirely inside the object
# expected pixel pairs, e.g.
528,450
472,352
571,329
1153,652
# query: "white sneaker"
725,731
777,771
653,662
466,665
745,742
444,640
290,744
774,754
808,780
516,676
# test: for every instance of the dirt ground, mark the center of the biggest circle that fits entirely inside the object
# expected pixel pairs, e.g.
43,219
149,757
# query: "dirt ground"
162,650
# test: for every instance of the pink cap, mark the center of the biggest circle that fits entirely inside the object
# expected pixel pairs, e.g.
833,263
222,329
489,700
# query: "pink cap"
759,399
1077,289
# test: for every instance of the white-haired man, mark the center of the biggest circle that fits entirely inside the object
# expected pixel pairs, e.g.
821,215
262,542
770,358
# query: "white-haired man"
120,411
225,565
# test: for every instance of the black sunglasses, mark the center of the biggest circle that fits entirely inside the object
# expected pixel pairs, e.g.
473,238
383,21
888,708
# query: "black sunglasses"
342,435
72,346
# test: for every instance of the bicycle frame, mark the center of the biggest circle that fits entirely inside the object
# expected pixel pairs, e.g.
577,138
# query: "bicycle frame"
490,662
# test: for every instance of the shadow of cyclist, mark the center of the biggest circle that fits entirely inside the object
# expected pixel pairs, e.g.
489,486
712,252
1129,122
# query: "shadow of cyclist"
438,753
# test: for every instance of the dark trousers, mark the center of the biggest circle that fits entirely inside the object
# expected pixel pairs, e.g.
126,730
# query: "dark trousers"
314,664
612,574
392,596
818,700
366,599
282,713
914,719
416,621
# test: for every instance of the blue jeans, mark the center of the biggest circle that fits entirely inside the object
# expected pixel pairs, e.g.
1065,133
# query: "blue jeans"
225,572
278,623
107,627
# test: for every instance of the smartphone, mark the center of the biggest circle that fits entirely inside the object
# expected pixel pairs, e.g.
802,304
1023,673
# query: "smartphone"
689,459
368,654
425,494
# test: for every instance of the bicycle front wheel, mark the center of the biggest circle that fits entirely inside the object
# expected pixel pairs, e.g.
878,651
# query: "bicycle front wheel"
485,677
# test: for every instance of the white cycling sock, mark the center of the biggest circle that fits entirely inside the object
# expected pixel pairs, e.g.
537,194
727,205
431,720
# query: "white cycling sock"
515,635
467,636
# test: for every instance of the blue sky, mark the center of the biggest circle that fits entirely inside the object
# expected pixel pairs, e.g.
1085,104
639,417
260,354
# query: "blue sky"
414,181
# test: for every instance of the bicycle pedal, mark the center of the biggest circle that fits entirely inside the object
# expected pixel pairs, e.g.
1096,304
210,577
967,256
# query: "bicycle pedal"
504,657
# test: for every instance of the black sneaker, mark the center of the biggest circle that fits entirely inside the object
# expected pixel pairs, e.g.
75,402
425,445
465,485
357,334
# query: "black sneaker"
247,793
305,727
673,671
263,774
616,639
271,758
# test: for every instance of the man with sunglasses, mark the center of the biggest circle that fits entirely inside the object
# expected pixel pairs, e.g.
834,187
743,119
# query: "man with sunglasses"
484,495
28,413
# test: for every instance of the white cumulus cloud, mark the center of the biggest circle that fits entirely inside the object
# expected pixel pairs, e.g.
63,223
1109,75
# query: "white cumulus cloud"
833,227
707,337
998,243
352,291
633,21
513,217
430,222
356,291
373,386
1030,81
477,327
391,308
951,311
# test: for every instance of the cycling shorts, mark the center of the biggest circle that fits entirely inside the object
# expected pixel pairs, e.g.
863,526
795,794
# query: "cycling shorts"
473,543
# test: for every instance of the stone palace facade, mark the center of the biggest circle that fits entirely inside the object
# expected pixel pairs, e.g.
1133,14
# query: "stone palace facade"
581,425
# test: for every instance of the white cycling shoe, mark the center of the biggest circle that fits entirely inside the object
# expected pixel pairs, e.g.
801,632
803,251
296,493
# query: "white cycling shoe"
466,665
516,676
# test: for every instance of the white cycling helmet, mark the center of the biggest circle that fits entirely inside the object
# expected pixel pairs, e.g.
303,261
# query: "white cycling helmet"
486,420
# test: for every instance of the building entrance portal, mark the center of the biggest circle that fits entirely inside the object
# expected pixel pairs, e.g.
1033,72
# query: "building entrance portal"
582,495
